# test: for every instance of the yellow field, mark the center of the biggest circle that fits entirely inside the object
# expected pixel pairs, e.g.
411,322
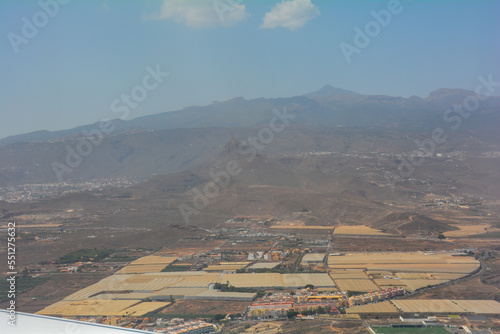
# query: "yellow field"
147,283
145,308
479,306
348,273
470,230
416,262
428,306
398,258
446,276
356,285
142,269
358,230
122,296
313,257
430,268
277,280
415,270
383,307
101,307
147,264
413,275
154,259
225,267
415,284
387,283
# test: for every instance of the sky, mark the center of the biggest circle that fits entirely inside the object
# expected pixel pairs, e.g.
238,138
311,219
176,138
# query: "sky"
69,63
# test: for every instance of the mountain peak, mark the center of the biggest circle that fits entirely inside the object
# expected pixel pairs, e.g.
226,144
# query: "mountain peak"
231,147
328,90
448,94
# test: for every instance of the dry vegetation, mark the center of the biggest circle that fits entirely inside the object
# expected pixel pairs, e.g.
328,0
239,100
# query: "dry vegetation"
186,307
466,231
359,230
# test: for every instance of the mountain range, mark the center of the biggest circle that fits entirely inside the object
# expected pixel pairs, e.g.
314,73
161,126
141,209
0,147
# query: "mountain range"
330,119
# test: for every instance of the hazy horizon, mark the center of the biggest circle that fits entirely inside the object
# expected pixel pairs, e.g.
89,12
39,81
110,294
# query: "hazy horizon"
68,69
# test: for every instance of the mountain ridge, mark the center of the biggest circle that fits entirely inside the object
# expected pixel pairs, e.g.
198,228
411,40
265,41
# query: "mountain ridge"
238,112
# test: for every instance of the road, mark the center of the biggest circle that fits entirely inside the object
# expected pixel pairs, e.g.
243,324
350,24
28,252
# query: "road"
479,273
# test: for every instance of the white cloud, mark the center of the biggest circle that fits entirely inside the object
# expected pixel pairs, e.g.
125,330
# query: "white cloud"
202,13
291,14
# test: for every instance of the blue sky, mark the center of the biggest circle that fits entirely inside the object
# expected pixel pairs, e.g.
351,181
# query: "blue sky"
91,52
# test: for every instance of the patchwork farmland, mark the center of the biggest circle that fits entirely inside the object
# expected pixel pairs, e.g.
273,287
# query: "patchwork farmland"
67,308
275,280
411,271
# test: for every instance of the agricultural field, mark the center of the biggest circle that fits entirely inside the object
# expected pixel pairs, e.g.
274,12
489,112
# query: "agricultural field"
154,259
348,274
468,231
141,269
405,262
148,283
313,258
362,285
415,284
413,275
413,270
430,268
445,276
225,267
428,306
479,306
147,264
378,273
264,265
359,230
101,307
377,308
261,280
387,283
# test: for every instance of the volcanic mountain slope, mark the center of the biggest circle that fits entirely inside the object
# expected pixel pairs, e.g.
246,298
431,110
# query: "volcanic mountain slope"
328,106
257,185
330,119
412,223
345,187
